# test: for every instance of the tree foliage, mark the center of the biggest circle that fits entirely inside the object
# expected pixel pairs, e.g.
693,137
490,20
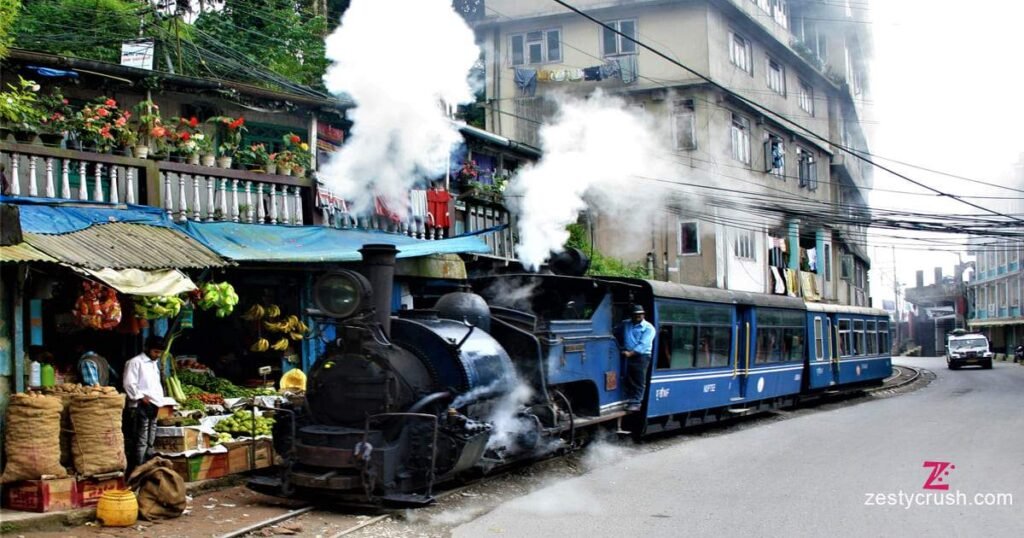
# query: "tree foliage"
601,265
91,29
8,13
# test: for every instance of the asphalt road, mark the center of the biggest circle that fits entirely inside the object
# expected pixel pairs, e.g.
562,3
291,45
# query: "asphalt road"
811,475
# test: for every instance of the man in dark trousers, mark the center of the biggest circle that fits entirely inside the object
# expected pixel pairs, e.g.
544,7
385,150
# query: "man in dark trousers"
637,344
145,394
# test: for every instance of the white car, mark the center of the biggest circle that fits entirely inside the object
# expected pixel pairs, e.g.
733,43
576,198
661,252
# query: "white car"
968,349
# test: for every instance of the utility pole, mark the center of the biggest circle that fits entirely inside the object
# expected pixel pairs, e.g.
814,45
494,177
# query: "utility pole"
896,297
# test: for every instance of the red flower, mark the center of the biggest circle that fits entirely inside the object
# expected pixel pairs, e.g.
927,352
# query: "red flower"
127,114
236,124
295,139
65,101
184,135
158,132
110,102
102,112
121,121
105,132
193,122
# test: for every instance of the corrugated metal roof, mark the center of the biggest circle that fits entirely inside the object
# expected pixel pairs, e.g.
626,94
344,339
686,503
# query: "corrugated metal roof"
122,245
23,252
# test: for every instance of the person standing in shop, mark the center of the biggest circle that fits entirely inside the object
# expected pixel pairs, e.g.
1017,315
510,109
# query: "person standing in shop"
145,393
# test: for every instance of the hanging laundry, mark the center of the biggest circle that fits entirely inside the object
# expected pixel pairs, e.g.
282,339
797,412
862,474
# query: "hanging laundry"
574,75
627,68
592,73
812,259
418,203
526,80
610,69
778,282
382,209
437,207
558,75
544,75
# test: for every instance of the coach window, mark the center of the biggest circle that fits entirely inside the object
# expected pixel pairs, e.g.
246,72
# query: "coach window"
858,337
872,338
883,338
819,340
780,336
845,349
695,337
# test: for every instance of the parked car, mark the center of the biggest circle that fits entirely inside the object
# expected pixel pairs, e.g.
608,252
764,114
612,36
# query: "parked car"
968,349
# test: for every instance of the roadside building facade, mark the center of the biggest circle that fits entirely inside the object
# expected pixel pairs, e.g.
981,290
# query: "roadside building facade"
804,60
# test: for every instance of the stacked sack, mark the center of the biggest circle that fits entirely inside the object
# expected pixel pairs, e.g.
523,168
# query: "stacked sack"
97,444
33,438
66,392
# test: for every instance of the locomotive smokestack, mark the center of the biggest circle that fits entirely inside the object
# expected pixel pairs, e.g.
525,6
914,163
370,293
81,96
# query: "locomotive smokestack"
379,269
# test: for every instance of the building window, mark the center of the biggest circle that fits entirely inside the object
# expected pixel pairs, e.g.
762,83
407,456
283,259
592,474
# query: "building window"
775,156
776,77
538,47
808,168
846,267
689,238
806,98
746,240
684,133
615,44
740,137
780,12
739,52
765,5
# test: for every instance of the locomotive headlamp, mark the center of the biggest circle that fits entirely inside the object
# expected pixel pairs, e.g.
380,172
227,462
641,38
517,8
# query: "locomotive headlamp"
341,294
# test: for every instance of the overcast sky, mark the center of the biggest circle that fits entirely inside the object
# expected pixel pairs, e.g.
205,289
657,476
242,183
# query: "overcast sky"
946,85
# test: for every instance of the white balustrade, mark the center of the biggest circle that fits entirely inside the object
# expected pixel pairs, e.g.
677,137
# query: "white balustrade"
223,191
210,197
273,203
65,178
248,202
114,196
182,198
298,206
234,200
129,185
97,188
33,188
197,214
51,191
83,182
168,195
261,217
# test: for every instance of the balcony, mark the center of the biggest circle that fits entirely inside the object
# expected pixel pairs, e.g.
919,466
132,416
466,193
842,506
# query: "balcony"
186,192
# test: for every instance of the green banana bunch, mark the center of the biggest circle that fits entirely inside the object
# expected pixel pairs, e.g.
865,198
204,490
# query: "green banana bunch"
166,306
220,296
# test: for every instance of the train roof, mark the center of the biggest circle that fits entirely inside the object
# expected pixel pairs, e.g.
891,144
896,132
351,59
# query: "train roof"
715,295
846,309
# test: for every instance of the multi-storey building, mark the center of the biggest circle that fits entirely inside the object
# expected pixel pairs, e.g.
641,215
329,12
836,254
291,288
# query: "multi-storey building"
802,59
995,289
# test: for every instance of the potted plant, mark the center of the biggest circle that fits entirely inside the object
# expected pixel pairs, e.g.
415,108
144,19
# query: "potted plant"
300,156
103,124
285,161
20,111
254,157
57,119
189,141
229,131
149,128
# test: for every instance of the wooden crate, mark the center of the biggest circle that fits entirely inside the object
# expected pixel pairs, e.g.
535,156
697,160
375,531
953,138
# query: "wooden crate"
238,456
264,453
91,489
176,440
41,495
201,466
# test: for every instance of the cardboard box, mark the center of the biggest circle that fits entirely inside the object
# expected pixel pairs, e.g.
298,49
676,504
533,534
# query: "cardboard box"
41,495
91,489
174,440
201,466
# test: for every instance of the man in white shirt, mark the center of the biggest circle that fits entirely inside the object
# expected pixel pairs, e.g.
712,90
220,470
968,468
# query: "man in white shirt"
144,390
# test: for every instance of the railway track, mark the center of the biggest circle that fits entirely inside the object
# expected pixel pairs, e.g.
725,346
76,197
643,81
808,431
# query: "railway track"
901,377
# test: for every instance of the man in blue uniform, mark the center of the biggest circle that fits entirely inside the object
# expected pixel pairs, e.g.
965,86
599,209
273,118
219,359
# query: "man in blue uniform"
637,344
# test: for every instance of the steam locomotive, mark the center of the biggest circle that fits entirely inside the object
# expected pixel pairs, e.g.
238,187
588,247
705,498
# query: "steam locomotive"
519,366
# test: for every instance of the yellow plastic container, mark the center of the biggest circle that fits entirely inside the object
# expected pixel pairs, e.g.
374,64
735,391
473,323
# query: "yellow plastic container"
117,508
294,379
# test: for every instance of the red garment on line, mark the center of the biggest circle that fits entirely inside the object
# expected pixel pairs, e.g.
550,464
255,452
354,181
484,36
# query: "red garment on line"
437,206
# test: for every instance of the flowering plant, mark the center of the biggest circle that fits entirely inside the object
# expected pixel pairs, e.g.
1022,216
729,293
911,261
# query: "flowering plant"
19,107
189,139
255,155
469,171
285,159
149,126
57,117
299,150
104,124
229,130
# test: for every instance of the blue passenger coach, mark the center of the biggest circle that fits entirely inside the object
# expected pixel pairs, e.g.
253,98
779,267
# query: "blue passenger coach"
849,345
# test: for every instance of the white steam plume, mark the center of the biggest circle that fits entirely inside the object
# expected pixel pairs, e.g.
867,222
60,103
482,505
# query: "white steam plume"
398,60
600,153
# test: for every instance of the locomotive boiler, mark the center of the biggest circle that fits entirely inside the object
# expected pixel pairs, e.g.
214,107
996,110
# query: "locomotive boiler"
399,404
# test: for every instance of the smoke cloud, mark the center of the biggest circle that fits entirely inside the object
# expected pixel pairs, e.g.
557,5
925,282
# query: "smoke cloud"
512,293
598,153
398,60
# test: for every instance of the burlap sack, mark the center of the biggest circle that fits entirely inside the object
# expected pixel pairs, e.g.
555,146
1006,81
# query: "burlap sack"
65,429
160,490
97,445
32,439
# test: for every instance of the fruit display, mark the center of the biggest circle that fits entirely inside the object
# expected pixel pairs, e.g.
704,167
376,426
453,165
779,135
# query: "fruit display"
192,364
78,388
220,296
244,423
221,438
164,306
216,385
97,307
266,318
210,399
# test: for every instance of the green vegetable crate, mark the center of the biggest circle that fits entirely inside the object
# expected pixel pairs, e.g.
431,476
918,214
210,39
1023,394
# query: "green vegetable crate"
201,466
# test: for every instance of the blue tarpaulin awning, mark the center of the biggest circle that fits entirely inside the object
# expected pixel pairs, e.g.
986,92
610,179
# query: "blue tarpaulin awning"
298,244
53,216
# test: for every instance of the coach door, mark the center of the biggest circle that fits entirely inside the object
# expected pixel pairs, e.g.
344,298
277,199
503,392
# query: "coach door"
743,332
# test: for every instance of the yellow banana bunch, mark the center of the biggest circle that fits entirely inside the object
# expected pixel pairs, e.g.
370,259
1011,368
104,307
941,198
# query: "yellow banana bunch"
302,328
292,323
296,336
273,311
260,345
276,327
255,313
280,345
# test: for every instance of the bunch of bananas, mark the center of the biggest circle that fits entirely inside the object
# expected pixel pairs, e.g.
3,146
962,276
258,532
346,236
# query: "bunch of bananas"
263,344
165,306
254,313
221,296
292,326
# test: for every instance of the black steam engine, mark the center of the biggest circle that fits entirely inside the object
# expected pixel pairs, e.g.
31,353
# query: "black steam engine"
397,405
